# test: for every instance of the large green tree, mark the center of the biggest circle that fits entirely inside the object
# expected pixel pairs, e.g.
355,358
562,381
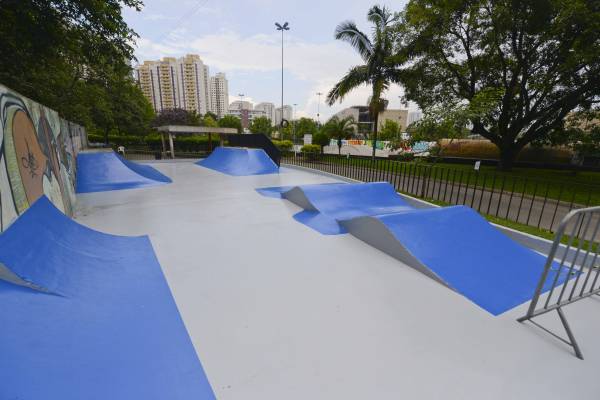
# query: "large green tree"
231,121
377,52
261,125
305,126
74,56
515,68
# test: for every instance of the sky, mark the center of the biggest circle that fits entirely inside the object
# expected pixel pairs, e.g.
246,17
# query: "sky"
239,38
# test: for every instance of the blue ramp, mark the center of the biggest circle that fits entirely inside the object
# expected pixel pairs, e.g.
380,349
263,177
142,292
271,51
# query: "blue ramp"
460,249
237,161
326,204
102,324
104,171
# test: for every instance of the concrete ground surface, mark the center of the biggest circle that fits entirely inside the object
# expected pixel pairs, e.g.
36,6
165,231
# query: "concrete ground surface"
277,311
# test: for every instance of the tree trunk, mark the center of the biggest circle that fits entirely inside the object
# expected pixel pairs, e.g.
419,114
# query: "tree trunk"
376,117
508,155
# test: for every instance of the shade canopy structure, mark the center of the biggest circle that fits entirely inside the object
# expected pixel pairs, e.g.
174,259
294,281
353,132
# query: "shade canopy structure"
172,130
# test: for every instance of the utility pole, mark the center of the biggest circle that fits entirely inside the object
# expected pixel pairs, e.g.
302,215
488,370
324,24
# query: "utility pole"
294,126
282,28
319,108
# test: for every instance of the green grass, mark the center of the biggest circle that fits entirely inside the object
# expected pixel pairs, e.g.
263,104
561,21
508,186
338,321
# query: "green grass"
581,188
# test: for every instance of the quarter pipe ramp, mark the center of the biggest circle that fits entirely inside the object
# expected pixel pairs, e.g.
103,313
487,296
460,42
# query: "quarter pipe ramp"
239,161
104,171
87,315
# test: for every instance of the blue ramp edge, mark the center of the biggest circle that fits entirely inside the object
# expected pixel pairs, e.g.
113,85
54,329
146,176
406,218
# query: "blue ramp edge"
239,162
104,171
326,204
464,251
108,329
275,192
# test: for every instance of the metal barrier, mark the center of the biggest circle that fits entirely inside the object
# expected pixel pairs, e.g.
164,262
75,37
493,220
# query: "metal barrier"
580,260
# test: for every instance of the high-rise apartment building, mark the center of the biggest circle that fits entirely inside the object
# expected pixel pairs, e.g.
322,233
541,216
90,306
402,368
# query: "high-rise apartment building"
240,105
176,83
219,94
268,109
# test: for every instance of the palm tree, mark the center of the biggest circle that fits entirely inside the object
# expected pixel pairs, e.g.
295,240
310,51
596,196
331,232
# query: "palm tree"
379,69
340,129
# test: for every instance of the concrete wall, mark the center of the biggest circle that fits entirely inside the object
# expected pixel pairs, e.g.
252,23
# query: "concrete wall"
38,152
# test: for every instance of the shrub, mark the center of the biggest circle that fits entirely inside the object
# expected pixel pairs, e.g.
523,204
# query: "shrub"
283,145
311,148
402,156
485,150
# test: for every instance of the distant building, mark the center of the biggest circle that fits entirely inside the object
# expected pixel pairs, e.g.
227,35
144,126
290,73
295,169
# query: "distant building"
398,116
365,123
219,94
414,117
241,105
245,111
287,114
268,109
175,83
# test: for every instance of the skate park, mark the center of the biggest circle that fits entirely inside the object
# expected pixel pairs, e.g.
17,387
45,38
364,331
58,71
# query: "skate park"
264,281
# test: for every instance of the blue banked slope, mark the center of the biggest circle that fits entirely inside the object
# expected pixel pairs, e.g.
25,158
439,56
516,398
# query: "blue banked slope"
104,326
459,248
326,204
104,171
240,161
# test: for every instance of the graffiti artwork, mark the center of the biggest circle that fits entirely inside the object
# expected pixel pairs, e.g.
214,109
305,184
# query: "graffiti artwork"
37,156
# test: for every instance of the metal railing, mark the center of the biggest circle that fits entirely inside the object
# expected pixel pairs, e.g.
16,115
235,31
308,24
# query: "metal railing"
579,262
526,200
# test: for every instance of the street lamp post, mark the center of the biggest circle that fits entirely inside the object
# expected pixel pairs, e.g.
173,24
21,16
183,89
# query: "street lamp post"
282,28
319,108
294,127
242,110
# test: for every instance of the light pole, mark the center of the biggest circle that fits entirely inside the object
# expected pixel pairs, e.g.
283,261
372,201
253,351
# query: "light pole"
282,28
242,110
294,126
319,108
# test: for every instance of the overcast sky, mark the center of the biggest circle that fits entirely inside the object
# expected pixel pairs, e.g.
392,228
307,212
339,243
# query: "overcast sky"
238,37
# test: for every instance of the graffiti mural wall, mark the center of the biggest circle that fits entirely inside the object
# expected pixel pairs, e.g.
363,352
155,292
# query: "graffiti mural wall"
37,156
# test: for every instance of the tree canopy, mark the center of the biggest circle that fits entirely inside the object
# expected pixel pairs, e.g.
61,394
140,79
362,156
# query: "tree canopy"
306,126
177,116
378,54
231,121
74,56
515,69
390,130
261,125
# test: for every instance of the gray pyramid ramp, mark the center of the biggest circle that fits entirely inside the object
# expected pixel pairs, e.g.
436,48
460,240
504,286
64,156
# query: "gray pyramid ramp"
373,232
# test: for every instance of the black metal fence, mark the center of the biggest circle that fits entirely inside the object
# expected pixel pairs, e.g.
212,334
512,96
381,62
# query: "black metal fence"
534,202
